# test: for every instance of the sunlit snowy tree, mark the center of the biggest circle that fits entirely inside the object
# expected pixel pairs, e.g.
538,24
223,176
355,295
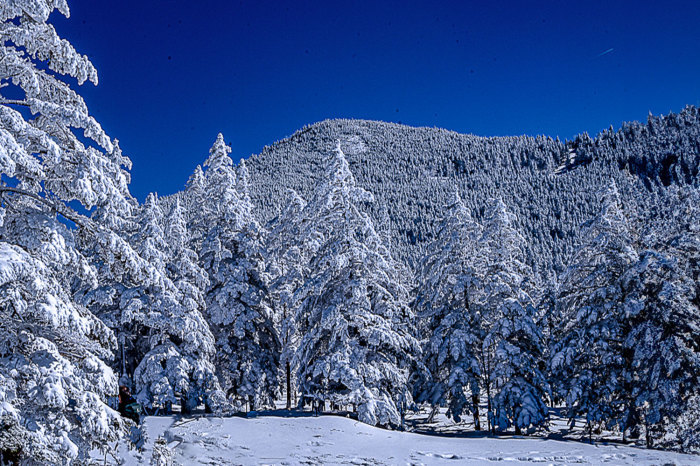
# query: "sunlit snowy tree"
513,346
627,356
662,312
53,381
661,344
176,339
588,360
198,208
357,344
448,280
288,265
191,282
237,307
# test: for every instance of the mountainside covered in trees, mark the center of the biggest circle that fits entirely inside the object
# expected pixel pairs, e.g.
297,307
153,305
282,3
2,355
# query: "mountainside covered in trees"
551,186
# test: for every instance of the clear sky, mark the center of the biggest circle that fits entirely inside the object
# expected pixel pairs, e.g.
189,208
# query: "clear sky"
175,73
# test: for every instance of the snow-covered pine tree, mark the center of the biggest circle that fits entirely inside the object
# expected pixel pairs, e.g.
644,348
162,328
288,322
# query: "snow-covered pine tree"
122,301
662,309
43,154
680,428
149,235
119,299
53,381
587,359
198,342
288,266
663,347
448,276
247,343
174,345
141,308
357,342
512,347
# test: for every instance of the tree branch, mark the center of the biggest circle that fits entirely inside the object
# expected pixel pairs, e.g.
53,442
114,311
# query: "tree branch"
14,102
64,211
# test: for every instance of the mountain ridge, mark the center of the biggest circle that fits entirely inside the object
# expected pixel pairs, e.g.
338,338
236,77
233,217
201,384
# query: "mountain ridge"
550,185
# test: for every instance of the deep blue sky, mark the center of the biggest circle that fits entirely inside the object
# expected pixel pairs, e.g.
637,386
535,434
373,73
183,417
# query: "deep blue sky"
174,73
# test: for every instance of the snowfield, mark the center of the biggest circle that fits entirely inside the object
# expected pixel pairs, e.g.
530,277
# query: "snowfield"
338,440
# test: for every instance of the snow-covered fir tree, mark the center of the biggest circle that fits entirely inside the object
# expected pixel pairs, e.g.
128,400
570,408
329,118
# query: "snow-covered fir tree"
661,350
681,431
122,277
288,266
53,380
192,281
628,355
512,347
135,305
238,311
449,277
588,358
179,347
357,342
662,312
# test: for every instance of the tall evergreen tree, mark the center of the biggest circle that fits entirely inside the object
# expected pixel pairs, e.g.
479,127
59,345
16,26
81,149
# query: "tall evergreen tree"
288,266
661,344
662,309
588,360
52,349
53,381
237,305
191,282
451,328
143,304
512,347
179,345
357,343
197,208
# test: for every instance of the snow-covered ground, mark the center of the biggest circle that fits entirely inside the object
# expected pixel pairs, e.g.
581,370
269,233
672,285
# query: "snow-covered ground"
339,440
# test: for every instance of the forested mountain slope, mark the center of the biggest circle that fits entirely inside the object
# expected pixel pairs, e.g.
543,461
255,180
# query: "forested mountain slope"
550,185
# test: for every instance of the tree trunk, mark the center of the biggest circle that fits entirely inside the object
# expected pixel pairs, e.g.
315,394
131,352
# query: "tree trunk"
475,410
289,386
432,415
633,421
123,356
489,406
184,404
486,378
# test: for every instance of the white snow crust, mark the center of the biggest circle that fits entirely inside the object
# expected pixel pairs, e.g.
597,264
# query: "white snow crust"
339,440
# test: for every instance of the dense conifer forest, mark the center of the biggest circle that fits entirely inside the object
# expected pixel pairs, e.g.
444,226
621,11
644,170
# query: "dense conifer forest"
360,266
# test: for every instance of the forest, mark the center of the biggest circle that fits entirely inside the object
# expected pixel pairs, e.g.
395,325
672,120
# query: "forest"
356,265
